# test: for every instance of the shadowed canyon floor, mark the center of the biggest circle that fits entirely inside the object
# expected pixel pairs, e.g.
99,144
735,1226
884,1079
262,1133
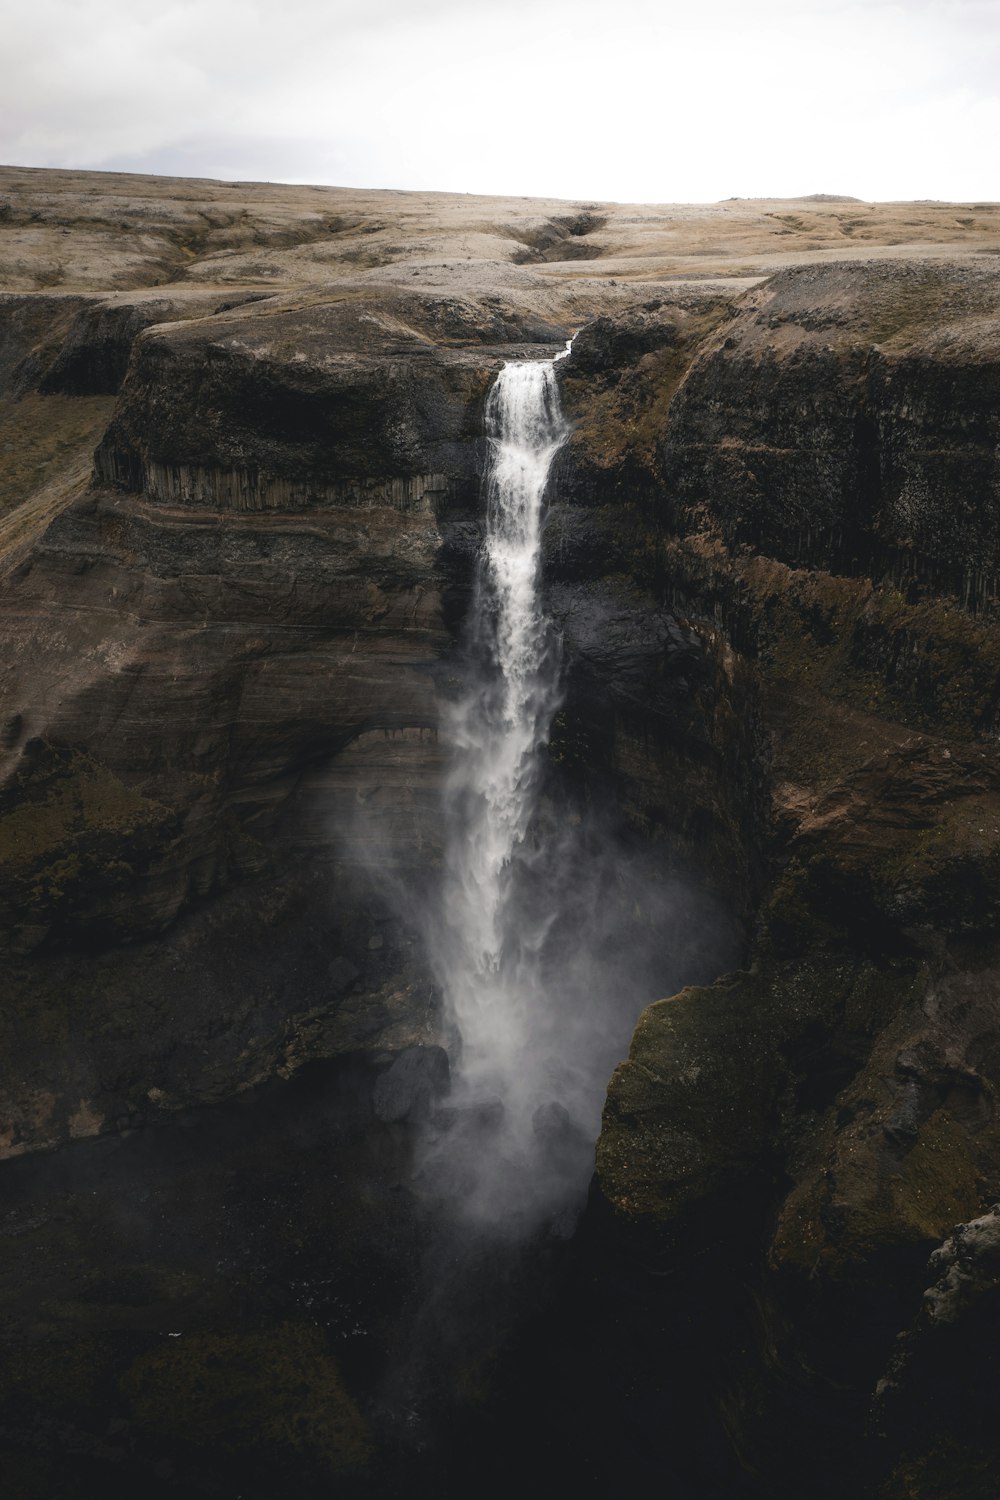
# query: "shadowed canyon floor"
242,438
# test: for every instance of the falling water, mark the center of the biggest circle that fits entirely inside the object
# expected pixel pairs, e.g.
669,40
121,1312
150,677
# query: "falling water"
499,727
554,928
490,956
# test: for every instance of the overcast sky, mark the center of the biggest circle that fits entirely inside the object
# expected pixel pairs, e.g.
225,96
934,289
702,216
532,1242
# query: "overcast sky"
588,99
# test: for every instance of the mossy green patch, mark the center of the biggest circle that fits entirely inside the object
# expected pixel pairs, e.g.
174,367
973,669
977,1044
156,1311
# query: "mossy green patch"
937,1182
42,437
66,795
59,1371
715,1075
686,1110
927,664
275,1389
71,834
618,419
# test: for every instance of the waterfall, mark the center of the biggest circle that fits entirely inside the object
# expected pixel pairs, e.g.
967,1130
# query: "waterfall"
490,958
555,925
499,727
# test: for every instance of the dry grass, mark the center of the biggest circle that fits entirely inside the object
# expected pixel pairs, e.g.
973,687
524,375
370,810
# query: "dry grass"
107,231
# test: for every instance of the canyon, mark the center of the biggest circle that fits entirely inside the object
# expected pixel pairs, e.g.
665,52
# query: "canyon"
242,441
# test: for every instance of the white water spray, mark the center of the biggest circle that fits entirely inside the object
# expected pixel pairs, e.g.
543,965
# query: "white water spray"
500,725
490,955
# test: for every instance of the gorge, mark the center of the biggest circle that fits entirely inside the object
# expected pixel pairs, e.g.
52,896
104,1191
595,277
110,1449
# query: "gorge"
267,1226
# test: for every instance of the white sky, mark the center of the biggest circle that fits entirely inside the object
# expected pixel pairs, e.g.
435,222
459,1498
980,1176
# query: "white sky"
589,99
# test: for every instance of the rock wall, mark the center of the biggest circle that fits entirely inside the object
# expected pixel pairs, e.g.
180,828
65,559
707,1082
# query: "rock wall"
208,643
782,1151
656,697
846,418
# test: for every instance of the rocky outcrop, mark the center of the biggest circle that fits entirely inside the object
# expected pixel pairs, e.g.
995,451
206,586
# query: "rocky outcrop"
845,418
335,398
937,1400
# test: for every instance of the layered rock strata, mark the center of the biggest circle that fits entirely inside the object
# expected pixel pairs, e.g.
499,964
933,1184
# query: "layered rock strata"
816,1125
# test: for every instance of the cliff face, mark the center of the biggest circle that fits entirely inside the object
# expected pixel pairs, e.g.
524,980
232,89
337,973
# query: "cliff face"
256,579
823,1120
847,419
